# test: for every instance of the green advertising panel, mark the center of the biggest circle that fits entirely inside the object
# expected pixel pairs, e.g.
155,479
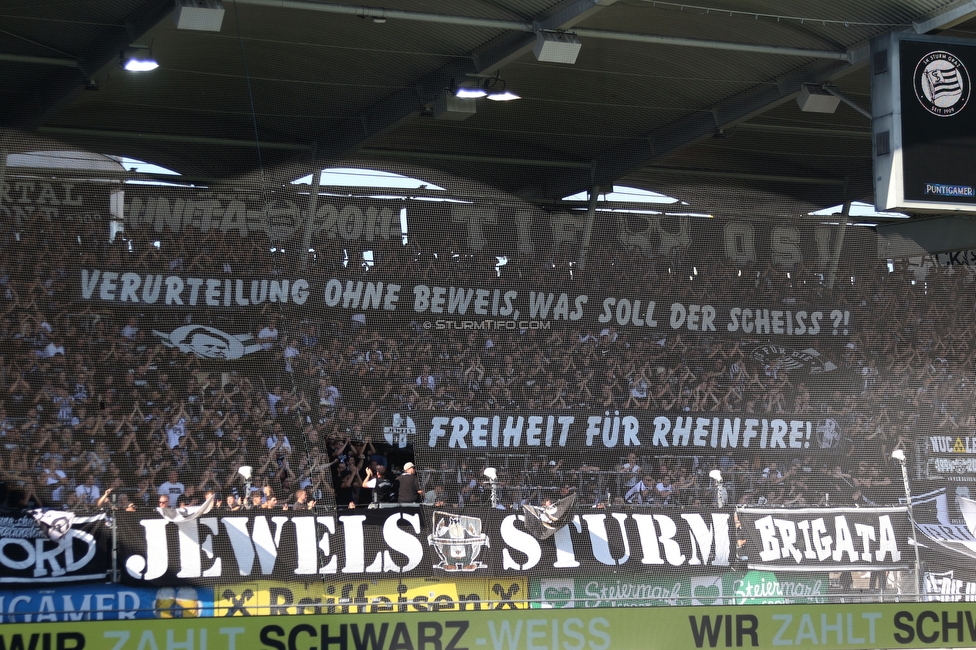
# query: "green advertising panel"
852,626
751,588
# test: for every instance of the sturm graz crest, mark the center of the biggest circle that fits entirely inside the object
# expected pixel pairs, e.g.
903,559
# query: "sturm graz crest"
458,541
941,83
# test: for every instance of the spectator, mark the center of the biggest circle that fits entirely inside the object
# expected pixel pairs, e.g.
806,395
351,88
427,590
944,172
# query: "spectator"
408,486
87,493
172,488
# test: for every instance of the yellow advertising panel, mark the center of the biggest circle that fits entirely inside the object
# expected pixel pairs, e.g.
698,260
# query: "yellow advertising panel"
852,626
370,596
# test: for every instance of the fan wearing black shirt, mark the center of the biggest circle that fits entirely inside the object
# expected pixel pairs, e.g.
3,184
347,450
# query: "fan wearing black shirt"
409,486
384,495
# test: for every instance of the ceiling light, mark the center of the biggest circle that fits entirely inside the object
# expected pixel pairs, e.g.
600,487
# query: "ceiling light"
453,107
470,93
503,96
556,47
199,15
814,99
137,59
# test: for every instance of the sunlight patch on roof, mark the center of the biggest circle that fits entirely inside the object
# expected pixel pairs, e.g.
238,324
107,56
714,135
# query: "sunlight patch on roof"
85,161
356,177
624,194
76,160
858,209
143,167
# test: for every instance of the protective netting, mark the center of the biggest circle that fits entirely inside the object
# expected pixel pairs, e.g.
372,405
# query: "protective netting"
718,400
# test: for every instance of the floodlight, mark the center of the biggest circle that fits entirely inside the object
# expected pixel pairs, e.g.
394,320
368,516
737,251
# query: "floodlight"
815,99
470,93
503,96
199,15
137,59
556,47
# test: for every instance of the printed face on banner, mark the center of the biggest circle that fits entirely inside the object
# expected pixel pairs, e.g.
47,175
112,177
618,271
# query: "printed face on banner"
208,342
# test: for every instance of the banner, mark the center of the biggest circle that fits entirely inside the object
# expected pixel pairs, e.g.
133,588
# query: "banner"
949,541
419,542
827,539
352,596
849,626
32,201
443,308
498,223
732,588
950,458
29,555
949,585
103,602
620,432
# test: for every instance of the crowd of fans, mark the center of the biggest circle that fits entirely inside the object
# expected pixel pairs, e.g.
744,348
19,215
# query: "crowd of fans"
97,410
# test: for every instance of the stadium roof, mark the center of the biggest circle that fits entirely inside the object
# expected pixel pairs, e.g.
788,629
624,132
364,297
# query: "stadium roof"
663,95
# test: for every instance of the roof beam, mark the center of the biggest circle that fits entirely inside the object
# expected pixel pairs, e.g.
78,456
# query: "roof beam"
408,102
638,152
34,108
945,17
683,132
39,60
144,136
562,19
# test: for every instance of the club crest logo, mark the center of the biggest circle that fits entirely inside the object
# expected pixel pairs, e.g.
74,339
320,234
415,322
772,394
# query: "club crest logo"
458,541
402,427
942,83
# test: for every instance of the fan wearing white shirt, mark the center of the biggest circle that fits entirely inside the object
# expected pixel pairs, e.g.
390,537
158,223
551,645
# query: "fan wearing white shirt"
268,335
172,487
88,492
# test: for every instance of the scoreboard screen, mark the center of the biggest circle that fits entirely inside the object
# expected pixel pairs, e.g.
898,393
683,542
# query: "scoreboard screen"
924,123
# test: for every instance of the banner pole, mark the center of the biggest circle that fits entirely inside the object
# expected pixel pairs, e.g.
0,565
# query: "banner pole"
115,544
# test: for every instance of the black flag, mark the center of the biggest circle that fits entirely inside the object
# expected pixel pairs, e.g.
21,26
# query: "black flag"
544,521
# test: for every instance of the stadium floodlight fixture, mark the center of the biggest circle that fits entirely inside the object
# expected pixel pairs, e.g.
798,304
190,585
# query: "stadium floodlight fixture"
137,59
556,47
503,96
470,93
491,87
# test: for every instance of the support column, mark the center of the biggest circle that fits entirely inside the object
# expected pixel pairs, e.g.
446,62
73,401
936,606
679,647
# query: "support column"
839,246
313,199
588,228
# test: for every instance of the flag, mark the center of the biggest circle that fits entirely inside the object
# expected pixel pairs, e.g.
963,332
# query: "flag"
189,513
544,521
